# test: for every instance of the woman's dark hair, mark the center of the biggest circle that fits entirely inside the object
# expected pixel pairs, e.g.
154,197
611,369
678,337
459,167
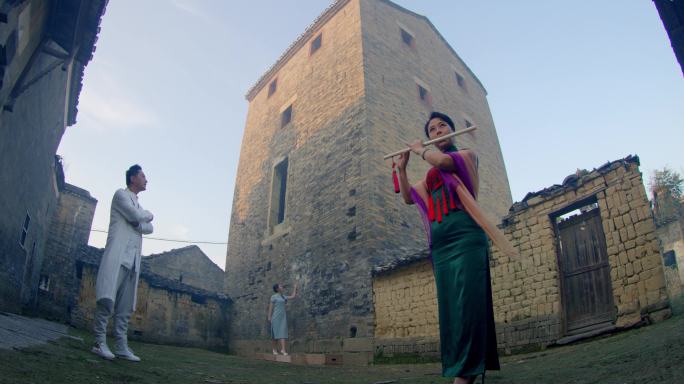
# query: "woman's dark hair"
275,287
132,171
435,115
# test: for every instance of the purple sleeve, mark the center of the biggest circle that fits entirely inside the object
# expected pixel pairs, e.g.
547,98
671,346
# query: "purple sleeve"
462,170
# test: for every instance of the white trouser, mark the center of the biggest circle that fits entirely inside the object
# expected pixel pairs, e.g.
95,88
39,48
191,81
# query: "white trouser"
122,308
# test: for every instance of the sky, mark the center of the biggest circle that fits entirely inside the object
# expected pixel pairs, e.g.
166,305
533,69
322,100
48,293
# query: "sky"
570,85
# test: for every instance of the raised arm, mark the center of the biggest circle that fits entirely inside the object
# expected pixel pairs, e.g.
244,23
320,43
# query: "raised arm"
294,293
433,156
122,203
404,184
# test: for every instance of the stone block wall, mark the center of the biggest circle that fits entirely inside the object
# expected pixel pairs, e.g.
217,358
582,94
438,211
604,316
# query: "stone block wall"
167,312
320,242
188,265
526,288
406,303
671,238
69,230
341,217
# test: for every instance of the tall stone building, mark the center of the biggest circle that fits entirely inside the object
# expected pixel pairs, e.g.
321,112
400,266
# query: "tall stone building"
313,201
44,48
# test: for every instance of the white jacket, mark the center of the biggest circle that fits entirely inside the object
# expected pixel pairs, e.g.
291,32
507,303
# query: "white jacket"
123,241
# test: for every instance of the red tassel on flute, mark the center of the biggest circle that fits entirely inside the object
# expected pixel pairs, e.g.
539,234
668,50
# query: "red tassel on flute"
452,204
395,179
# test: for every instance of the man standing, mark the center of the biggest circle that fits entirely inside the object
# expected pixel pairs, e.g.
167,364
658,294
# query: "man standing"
117,278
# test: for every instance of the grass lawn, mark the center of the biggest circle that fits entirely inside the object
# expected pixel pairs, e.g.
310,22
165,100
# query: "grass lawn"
653,354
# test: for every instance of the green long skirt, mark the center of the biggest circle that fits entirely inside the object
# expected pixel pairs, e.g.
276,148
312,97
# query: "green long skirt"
466,318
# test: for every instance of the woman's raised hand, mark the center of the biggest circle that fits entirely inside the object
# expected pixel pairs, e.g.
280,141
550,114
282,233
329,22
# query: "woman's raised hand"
403,160
416,146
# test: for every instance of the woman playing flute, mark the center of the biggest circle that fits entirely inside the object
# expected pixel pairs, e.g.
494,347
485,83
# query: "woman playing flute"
457,233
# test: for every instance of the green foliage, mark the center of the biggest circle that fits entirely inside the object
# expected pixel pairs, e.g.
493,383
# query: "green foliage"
666,188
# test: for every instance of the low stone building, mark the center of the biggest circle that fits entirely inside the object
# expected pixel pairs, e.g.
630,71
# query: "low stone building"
187,265
69,229
186,311
671,237
588,262
167,311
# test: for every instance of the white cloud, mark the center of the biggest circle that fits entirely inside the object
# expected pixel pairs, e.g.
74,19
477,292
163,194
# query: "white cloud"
114,111
191,7
111,105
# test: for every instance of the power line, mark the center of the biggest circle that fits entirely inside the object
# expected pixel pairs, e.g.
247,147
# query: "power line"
172,240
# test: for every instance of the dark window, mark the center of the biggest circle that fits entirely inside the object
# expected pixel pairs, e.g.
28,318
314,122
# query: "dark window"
24,230
424,95
460,80
316,43
669,259
286,117
468,124
272,87
278,194
407,38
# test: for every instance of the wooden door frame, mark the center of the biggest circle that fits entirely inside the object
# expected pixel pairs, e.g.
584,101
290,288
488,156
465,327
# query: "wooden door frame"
593,199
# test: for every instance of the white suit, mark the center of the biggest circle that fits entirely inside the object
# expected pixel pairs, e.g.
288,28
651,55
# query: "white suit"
117,277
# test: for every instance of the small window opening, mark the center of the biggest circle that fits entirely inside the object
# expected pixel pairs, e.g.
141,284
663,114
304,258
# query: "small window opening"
316,43
286,117
272,87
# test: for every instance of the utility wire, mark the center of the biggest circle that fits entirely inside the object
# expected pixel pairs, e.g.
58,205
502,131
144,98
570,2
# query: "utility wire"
172,240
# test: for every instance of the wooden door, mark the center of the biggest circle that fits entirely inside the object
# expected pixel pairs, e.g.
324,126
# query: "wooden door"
585,272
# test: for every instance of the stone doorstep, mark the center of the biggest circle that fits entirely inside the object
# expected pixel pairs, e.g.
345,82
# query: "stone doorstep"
600,330
317,358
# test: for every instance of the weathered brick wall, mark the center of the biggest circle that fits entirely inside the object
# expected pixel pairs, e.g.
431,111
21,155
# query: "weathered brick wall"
526,288
526,291
69,230
320,241
166,313
188,265
29,136
341,218
671,238
396,115
406,303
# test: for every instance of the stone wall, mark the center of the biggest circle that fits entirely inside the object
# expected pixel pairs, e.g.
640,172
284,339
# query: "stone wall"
671,238
30,132
341,217
188,265
320,241
526,289
46,46
527,292
167,311
69,230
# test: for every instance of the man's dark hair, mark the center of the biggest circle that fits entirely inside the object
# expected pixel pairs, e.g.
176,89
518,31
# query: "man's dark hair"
132,171
275,287
439,115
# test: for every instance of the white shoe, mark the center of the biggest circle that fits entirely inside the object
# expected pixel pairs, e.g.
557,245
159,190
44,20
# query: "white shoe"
123,352
102,350
284,353
275,352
